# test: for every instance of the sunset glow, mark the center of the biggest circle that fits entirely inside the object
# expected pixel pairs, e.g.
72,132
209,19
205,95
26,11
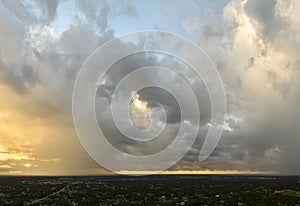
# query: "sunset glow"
27,165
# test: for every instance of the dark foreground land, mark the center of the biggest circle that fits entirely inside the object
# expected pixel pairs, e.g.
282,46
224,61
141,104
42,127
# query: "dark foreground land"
151,190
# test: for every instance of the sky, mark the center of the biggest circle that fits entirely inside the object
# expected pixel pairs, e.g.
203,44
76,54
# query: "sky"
254,45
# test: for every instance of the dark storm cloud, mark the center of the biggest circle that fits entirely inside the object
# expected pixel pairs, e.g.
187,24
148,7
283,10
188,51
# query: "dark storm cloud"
29,74
264,12
156,96
14,79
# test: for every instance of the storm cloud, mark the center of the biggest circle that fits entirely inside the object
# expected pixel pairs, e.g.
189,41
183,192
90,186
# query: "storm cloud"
254,44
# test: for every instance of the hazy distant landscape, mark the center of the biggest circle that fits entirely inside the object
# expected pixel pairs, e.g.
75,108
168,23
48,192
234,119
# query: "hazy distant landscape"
151,190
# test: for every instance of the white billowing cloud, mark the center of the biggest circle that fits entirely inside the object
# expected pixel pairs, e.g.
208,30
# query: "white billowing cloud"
139,112
261,74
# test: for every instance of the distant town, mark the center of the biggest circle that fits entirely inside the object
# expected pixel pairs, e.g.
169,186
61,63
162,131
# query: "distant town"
150,190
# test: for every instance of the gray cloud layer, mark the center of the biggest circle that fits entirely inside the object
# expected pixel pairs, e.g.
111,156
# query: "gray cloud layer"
255,45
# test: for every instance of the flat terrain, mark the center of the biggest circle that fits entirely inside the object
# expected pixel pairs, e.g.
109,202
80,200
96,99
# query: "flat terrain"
151,190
